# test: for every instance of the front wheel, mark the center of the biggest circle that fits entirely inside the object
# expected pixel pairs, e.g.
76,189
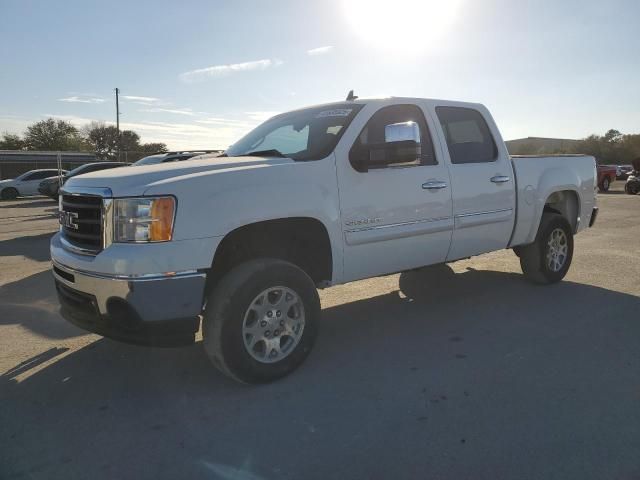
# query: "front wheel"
548,258
631,188
9,193
261,319
606,183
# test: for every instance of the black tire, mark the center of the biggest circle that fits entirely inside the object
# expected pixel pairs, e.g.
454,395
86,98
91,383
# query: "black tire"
224,317
604,186
631,188
9,193
533,258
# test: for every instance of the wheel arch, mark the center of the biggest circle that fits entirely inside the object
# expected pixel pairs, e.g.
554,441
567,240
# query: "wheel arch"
565,203
303,241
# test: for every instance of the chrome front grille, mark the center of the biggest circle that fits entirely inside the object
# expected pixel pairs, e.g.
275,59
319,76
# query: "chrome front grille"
81,222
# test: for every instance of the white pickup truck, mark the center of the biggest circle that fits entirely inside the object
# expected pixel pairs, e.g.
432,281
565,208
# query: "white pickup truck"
311,198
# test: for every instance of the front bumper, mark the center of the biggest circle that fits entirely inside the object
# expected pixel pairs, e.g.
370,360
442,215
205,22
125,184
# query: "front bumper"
158,310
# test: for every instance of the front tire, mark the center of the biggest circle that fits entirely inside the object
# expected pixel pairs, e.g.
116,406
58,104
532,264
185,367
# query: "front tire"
261,320
548,258
631,188
606,183
9,194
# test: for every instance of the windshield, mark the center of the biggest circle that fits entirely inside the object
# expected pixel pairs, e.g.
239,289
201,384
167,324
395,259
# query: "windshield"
309,134
150,160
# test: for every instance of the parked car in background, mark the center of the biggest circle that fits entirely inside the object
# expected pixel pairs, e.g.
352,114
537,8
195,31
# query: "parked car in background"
311,198
26,184
623,172
632,187
606,176
172,157
50,186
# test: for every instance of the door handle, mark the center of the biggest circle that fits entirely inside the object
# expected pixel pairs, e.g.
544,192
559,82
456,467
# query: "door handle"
500,179
434,185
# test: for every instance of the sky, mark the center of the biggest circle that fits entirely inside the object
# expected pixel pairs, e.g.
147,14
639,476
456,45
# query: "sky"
200,74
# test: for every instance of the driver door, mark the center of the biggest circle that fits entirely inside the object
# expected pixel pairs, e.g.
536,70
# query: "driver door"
395,216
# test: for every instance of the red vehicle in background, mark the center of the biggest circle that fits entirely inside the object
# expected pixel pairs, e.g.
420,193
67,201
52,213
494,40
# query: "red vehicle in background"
606,176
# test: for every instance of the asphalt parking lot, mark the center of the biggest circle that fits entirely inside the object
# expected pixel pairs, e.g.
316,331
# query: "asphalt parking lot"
469,372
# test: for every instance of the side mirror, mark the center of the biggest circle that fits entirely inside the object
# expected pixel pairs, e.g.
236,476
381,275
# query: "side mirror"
400,132
383,154
380,155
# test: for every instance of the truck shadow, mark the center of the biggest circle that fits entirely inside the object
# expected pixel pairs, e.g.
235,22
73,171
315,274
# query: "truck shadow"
34,247
32,303
26,203
487,344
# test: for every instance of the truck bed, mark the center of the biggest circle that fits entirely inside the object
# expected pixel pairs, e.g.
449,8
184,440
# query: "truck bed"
538,177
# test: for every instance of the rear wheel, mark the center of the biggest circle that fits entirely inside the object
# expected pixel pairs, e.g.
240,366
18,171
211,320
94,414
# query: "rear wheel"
631,188
261,320
547,260
606,183
9,193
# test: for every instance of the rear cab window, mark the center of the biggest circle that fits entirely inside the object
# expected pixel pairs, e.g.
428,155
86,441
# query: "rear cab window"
468,136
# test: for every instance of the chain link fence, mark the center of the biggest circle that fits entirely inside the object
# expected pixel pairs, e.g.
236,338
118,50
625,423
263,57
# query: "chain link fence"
16,162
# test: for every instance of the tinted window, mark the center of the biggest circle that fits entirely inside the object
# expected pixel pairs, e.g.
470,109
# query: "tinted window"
150,160
383,123
95,168
92,167
468,136
40,175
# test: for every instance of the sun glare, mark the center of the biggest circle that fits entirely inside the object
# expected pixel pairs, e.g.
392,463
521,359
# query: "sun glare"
401,26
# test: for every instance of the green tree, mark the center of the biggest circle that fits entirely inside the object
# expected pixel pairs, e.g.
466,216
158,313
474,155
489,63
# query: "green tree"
54,135
11,142
153,147
613,136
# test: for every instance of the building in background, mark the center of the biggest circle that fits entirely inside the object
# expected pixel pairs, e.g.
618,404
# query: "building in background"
16,162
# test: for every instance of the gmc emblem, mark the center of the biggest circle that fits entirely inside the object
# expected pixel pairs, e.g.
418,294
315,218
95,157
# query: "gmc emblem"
68,219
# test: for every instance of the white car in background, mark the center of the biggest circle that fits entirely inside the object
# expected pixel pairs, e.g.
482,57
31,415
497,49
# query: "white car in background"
26,184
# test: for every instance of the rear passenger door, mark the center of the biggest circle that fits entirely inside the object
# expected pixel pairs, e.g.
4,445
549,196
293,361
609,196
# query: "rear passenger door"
483,184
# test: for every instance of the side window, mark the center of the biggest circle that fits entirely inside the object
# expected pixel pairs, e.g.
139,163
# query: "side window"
468,136
389,126
38,175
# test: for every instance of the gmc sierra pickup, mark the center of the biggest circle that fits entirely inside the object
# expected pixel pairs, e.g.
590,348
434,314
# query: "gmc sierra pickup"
311,198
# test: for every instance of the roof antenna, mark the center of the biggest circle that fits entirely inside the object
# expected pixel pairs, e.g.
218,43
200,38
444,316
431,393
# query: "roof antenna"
351,97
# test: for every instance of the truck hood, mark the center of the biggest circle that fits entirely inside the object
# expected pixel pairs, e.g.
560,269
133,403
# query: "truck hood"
137,179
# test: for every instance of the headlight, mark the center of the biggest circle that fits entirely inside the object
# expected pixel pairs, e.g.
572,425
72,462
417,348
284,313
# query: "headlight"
143,219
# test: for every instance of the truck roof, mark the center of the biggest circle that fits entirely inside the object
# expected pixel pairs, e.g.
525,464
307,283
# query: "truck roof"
393,100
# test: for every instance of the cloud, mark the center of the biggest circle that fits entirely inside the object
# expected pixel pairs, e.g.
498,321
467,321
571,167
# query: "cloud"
177,111
226,122
260,116
217,71
81,99
177,136
319,51
141,100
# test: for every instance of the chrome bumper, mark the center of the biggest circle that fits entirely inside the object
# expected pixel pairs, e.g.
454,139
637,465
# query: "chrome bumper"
137,309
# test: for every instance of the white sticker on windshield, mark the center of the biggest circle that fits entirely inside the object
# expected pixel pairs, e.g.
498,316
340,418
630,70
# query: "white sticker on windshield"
338,112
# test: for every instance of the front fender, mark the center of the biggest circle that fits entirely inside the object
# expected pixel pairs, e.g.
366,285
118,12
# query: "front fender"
217,204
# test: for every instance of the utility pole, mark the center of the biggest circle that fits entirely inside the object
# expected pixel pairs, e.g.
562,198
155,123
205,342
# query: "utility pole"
118,121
